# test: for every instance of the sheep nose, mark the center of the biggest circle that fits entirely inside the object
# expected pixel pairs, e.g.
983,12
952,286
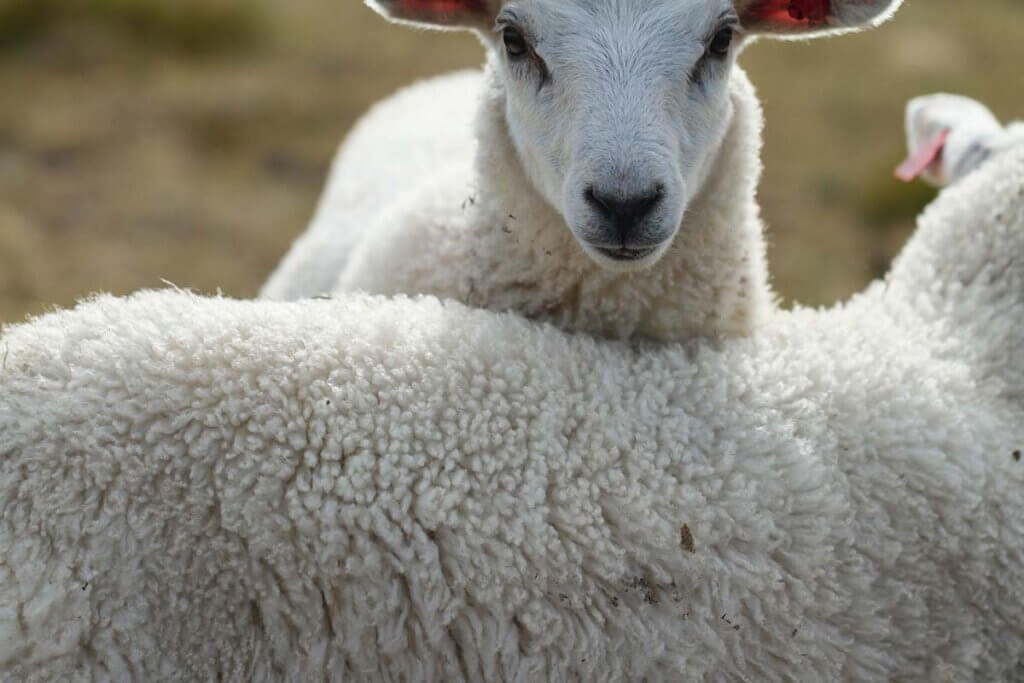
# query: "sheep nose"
624,214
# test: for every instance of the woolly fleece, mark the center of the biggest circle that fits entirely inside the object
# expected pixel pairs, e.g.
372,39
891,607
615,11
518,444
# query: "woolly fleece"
471,227
372,489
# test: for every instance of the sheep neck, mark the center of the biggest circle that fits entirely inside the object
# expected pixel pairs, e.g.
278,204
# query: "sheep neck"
711,283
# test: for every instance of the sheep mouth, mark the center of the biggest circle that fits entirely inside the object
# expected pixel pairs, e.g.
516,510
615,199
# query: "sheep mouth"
625,253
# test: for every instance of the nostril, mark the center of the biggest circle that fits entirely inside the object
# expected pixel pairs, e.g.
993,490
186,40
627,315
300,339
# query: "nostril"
645,203
624,212
596,200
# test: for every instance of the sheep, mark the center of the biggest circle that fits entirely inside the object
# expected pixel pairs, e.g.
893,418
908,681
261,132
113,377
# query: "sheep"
369,488
610,186
949,136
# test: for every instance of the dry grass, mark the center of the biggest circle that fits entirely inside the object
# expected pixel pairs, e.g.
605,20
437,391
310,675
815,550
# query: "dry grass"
132,151
187,26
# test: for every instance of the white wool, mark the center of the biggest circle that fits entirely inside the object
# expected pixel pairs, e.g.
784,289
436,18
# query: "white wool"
482,235
472,228
373,489
611,104
500,246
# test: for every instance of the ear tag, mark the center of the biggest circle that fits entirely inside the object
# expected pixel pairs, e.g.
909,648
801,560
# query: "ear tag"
920,160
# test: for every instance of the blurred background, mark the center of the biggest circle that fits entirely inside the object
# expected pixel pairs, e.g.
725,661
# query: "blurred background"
186,141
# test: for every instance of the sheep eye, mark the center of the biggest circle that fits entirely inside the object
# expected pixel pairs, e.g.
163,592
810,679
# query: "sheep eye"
719,46
515,43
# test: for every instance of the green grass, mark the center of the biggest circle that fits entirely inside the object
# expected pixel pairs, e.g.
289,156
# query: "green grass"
125,161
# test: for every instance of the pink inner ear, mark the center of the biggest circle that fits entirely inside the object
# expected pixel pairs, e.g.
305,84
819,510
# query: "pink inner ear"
442,6
789,13
928,154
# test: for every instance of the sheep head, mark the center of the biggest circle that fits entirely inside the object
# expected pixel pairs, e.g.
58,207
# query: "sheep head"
617,108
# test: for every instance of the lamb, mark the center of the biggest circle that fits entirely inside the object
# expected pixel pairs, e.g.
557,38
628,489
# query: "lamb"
949,136
410,489
617,155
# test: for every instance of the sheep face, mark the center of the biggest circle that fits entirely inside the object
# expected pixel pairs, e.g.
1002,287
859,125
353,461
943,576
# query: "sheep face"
617,109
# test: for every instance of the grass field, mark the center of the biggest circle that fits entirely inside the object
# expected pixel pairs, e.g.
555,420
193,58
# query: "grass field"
144,141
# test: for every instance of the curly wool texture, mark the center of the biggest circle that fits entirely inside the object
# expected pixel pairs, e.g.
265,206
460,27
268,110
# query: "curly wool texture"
417,203
372,489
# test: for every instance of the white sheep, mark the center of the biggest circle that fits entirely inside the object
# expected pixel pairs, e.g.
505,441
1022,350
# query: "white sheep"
395,489
610,185
949,136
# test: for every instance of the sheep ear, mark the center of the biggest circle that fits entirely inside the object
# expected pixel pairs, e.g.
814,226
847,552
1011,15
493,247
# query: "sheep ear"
810,18
437,13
